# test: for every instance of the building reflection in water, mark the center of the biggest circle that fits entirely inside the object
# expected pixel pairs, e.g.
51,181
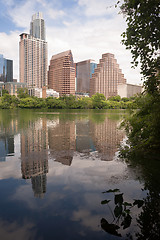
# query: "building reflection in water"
64,138
7,139
34,155
62,142
6,147
84,136
84,142
107,137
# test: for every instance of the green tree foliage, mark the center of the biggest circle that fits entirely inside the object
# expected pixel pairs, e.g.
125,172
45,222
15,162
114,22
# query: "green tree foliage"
115,98
4,91
56,103
22,93
70,101
7,101
143,128
98,100
84,103
125,99
142,37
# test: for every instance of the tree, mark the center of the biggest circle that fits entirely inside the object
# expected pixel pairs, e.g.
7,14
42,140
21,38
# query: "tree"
4,91
115,98
98,100
142,37
22,93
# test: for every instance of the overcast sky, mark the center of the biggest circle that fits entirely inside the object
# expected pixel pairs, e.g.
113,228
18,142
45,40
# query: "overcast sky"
88,27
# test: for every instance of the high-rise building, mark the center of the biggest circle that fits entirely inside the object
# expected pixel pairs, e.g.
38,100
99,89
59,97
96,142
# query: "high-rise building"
37,26
33,55
84,71
61,74
6,69
106,77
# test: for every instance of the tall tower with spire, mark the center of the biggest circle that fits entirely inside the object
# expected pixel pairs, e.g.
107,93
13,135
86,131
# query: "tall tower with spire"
33,54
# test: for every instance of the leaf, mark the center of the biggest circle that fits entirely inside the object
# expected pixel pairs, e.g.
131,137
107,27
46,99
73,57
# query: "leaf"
105,201
110,228
127,204
127,221
118,198
118,211
139,203
113,190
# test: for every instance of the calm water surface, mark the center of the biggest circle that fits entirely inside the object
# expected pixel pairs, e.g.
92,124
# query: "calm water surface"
54,167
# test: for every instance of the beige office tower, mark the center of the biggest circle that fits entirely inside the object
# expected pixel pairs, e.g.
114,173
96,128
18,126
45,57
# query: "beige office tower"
106,77
61,74
33,55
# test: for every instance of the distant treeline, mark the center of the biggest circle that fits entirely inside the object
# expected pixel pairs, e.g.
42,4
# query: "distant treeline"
97,101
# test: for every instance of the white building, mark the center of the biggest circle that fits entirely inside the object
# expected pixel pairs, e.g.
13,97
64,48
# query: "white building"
39,92
128,90
52,93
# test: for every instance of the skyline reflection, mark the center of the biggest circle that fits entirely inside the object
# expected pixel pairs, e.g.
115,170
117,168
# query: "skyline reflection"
58,139
57,173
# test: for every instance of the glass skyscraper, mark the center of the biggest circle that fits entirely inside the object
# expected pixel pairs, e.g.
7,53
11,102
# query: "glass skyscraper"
37,26
84,71
6,69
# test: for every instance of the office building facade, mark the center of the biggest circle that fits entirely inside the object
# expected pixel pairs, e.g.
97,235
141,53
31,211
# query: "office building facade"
106,77
6,69
61,74
33,55
129,90
84,71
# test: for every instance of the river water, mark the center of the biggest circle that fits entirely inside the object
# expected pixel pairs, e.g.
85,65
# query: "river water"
54,168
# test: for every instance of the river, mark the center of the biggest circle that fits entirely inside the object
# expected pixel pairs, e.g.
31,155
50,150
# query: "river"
55,169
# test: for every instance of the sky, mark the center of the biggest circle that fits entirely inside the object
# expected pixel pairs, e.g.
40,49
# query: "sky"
89,28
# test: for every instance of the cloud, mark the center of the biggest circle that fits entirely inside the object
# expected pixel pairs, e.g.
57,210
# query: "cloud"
97,8
10,230
9,47
89,28
91,39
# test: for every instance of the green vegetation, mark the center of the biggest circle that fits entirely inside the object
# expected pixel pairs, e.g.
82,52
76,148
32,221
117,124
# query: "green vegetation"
97,101
143,128
142,38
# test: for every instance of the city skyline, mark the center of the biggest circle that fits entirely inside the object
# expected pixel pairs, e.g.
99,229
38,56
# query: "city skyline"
88,28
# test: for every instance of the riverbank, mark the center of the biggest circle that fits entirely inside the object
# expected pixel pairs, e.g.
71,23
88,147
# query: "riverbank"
97,101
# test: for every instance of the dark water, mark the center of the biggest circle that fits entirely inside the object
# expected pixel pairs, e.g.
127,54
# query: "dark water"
54,167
